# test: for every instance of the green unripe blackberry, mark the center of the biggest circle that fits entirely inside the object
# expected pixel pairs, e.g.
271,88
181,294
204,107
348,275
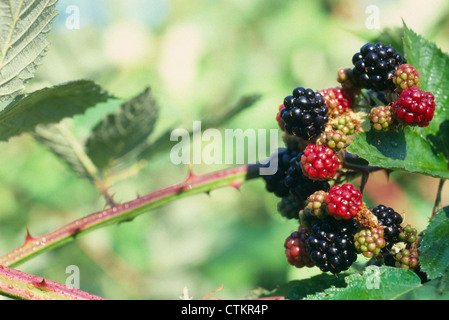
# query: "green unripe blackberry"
406,76
314,209
334,139
381,118
407,259
345,124
408,235
369,242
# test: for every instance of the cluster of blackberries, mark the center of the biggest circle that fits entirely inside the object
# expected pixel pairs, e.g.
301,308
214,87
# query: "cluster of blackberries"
317,125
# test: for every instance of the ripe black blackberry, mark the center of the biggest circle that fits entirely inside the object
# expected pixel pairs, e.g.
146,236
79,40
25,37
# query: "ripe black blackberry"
331,244
391,220
300,185
305,114
374,66
275,183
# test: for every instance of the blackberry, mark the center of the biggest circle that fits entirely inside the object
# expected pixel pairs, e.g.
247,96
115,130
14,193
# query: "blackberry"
345,123
300,185
407,259
275,183
289,207
381,118
319,162
409,235
414,107
345,76
369,242
296,249
391,221
334,139
344,202
338,100
406,76
331,245
314,209
374,66
305,113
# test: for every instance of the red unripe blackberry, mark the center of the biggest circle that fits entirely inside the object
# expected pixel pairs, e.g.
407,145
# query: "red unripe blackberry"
406,76
299,184
369,242
414,107
296,249
338,100
319,162
344,202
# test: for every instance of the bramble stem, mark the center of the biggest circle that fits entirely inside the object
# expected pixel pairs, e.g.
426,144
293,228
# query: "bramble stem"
127,211
20,285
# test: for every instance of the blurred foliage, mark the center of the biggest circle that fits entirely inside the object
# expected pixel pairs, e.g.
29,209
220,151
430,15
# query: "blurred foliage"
194,55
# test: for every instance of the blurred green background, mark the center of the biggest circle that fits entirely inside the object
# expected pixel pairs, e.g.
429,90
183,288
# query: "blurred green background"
194,54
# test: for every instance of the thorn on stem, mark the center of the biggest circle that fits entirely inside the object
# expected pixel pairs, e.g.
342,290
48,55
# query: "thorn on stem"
28,236
236,184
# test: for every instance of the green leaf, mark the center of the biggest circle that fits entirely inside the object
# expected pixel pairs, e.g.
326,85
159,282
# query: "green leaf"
403,150
49,105
434,248
430,290
60,140
376,283
299,289
24,26
124,132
